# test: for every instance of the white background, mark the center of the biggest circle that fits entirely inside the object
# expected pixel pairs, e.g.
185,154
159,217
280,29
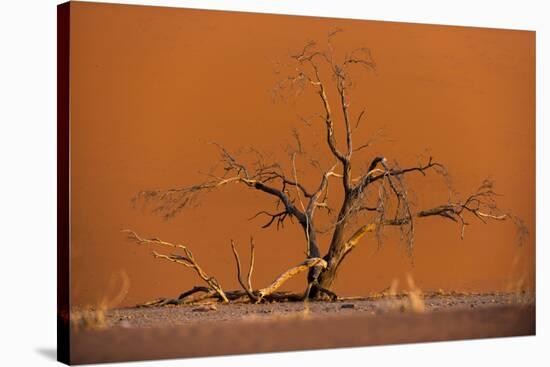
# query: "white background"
28,182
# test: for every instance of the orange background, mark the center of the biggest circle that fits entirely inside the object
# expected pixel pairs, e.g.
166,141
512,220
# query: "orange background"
150,85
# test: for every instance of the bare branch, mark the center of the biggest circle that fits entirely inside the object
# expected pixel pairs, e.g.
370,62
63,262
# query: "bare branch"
361,114
344,104
361,56
481,205
281,279
331,139
358,234
187,260
280,217
375,136
247,289
172,201
251,265
370,178
314,200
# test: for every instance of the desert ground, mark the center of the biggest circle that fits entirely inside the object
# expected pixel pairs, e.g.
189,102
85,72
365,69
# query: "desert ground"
192,330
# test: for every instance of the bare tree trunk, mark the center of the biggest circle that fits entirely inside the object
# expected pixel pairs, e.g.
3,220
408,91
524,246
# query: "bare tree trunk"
327,276
336,253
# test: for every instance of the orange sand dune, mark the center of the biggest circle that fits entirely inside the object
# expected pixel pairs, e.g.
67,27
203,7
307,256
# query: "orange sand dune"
150,85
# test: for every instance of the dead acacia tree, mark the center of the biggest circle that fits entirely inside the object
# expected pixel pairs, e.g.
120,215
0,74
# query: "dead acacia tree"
373,198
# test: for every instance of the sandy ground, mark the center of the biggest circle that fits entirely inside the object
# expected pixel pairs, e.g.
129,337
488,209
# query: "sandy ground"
201,330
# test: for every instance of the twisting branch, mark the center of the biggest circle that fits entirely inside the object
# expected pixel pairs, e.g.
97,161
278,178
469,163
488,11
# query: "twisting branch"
361,56
323,186
172,201
481,204
279,217
281,279
311,249
344,103
369,177
358,234
331,139
187,260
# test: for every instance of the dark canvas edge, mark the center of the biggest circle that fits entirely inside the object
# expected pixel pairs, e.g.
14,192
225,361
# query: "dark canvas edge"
63,183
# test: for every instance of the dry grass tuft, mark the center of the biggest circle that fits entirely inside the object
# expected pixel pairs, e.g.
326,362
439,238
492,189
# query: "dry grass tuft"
306,312
94,317
521,293
416,300
411,300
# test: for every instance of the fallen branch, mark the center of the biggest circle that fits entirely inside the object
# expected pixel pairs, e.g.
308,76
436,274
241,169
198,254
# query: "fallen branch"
187,260
277,283
214,291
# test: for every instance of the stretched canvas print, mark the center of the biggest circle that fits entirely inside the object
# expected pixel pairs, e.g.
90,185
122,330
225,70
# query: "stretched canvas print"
240,183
